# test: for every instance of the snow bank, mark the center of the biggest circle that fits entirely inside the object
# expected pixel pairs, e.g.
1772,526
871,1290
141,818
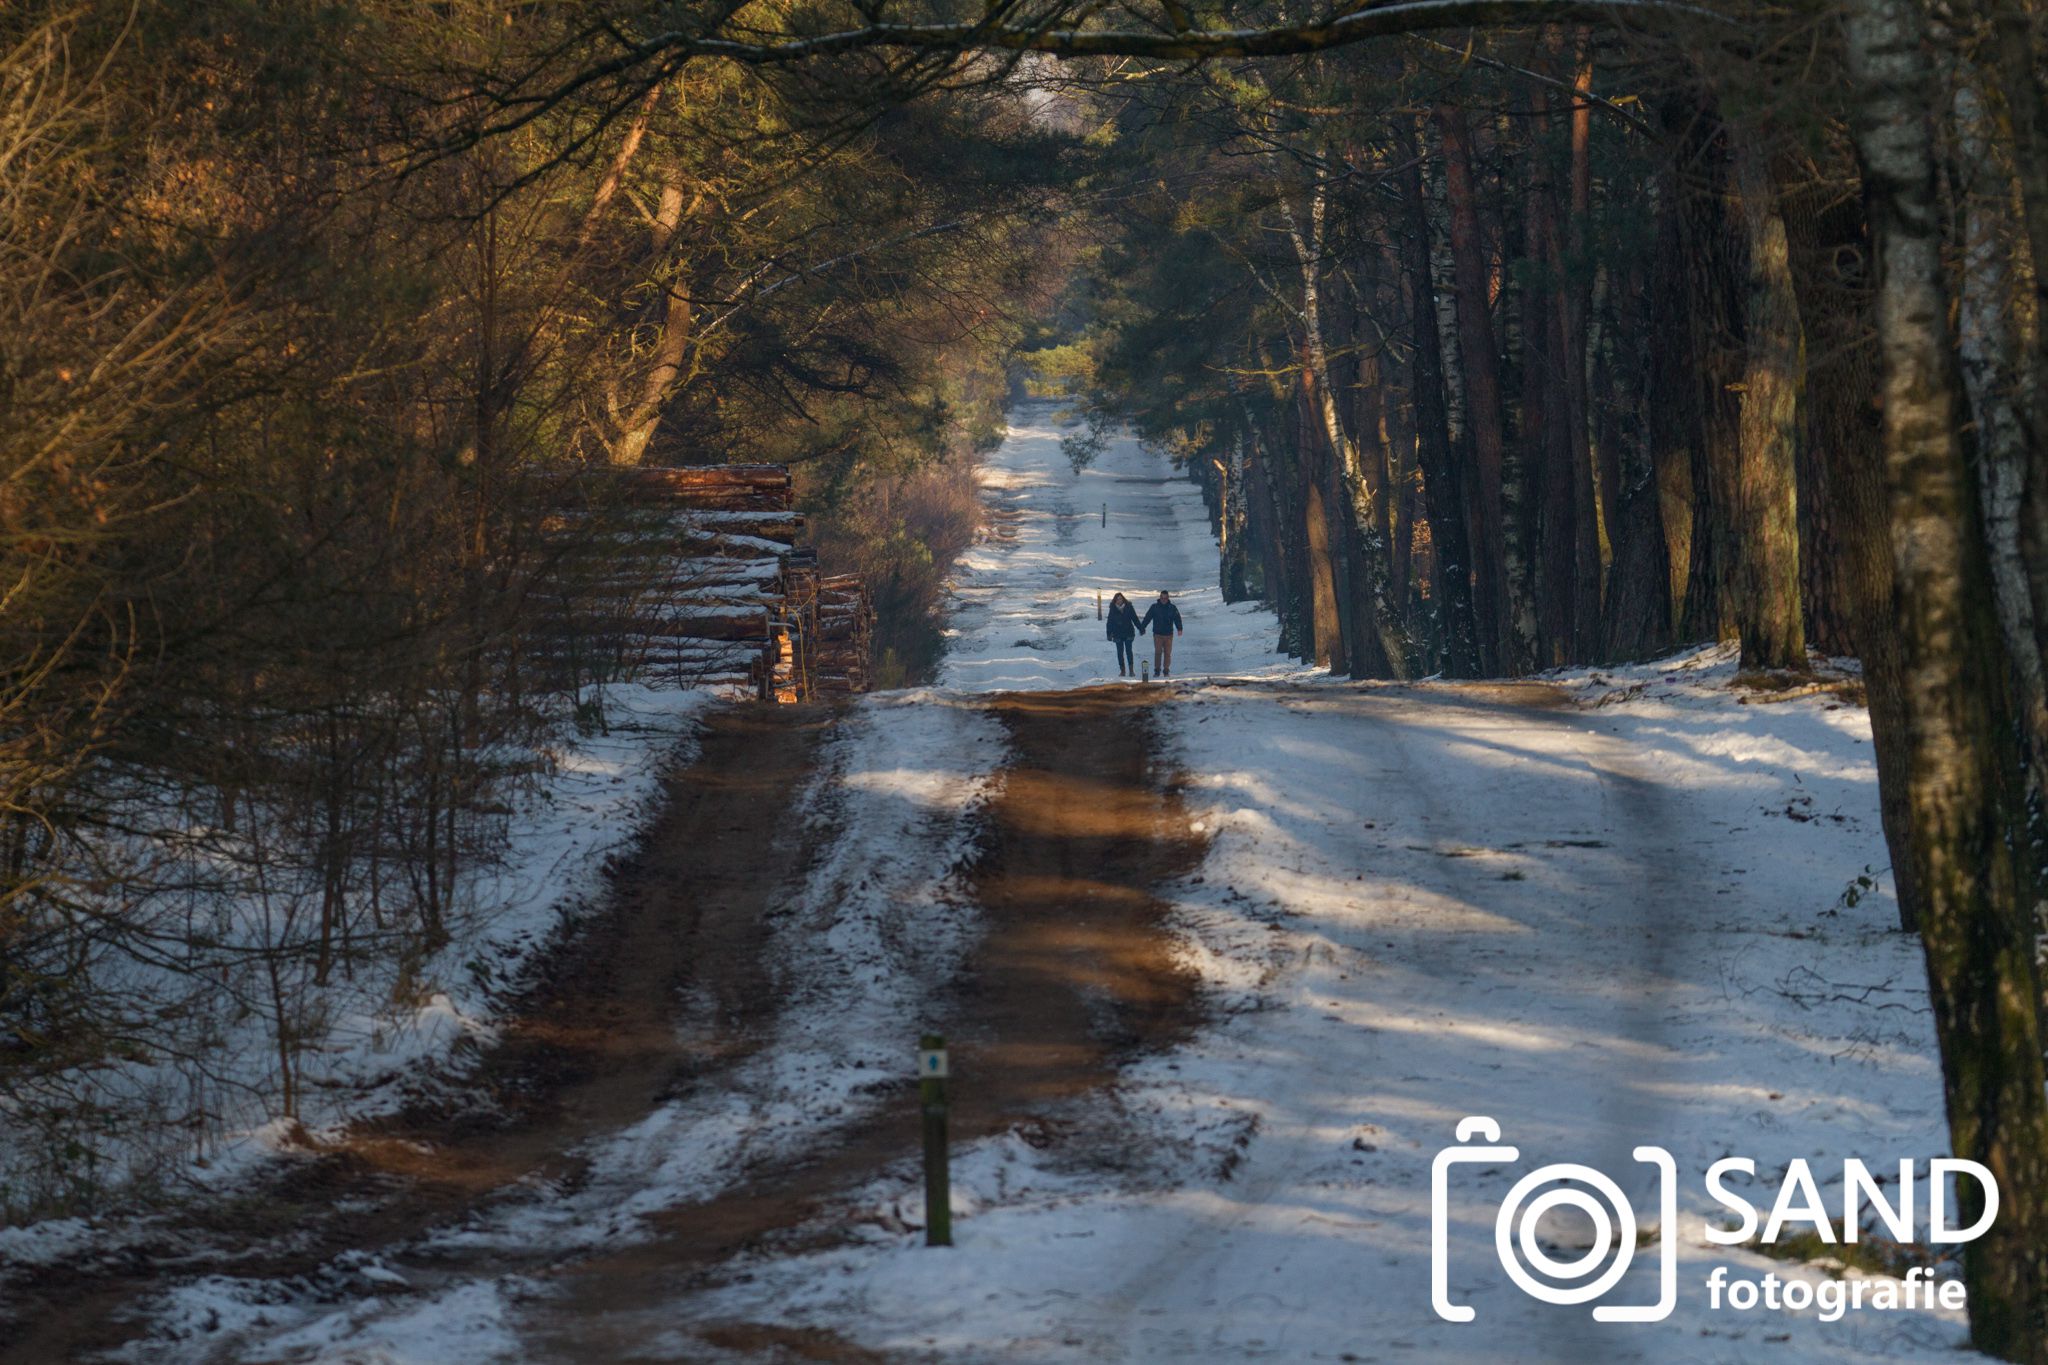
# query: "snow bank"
587,802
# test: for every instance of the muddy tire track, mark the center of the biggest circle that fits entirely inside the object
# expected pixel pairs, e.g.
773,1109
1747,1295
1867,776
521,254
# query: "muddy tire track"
667,989
599,1042
1075,975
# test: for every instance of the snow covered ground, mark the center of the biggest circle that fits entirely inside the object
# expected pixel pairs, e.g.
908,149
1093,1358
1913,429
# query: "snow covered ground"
587,802
885,806
1601,928
1617,923
1605,913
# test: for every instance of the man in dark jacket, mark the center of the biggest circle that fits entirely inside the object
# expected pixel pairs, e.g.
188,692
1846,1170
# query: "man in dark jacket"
1123,628
1164,620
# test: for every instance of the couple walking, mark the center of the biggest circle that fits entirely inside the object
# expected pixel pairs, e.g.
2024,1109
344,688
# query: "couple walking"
1126,625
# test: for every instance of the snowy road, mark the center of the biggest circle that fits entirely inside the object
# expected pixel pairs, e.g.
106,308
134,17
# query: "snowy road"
1605,910
1599,927
1603,925
1025,598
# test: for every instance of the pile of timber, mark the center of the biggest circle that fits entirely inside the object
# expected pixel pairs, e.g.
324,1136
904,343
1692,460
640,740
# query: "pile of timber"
846,633
701,582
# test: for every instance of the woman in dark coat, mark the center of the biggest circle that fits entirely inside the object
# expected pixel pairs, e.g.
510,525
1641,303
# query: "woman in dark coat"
1123,628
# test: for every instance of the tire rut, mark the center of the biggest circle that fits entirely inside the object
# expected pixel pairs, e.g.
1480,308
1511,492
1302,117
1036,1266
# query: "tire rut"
600,1040
1075,975
667,988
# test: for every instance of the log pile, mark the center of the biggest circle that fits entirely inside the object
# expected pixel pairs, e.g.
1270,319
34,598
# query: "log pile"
699,581
846,632
787,674
710,487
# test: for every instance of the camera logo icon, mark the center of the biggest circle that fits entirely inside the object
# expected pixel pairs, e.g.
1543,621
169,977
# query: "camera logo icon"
1528,1262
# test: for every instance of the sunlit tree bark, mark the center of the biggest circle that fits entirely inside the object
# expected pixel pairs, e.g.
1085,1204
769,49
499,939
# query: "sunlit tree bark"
1764,490
1977,931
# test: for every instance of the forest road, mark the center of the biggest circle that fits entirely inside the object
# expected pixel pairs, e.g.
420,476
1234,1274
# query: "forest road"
1074,974
593,1046
1206,1294
662,993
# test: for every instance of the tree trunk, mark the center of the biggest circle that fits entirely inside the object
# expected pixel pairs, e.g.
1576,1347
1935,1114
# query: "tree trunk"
1442,485
1637,612
1545,433
1574,286
1481,386
2015,42
1675,432
615,174
1990,348
1325,624
1829,240
672,342
1362,554
1397,414
1293,599
1967,833
1766,520
1367,495
1711,249
1262,518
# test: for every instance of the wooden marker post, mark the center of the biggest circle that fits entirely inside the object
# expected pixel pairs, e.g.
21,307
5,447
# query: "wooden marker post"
938,1185
1105,514
1098,604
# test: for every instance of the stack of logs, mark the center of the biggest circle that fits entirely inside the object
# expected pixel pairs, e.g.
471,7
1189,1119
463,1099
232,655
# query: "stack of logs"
846,633
721,594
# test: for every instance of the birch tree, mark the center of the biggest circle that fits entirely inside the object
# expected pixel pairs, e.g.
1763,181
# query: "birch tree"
1960,769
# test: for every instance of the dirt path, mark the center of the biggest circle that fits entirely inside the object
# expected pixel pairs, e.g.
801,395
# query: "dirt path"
609,1035
596,1046
666,990
1074,976
1077,972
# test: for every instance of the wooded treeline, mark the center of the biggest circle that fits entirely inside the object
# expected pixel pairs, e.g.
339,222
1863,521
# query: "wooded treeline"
1515,348
1558,350
1525,332
1510,366
296,382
